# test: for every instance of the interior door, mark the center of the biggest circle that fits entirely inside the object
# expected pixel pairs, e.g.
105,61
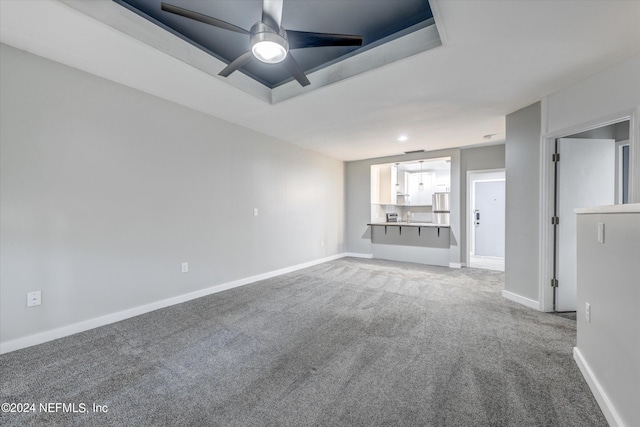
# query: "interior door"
489,218
585,177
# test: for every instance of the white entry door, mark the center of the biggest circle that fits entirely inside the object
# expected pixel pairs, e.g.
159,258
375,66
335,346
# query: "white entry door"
586,177
489,218
486,219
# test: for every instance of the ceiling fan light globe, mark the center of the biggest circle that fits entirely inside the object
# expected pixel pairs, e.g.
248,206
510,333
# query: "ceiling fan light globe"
269,52
267,45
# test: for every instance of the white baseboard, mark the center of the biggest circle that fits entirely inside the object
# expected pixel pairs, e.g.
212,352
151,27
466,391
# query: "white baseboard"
456,264
85,325
609,411
521,300
358,255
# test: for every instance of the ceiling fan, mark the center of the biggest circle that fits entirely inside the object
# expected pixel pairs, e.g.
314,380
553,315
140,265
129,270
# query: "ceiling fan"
270,42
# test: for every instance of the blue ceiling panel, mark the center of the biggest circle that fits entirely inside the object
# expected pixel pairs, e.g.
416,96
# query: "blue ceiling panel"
375,20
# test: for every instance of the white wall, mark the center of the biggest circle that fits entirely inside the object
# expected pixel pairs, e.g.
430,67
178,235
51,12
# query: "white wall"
608,348
522,159
609,95
106,190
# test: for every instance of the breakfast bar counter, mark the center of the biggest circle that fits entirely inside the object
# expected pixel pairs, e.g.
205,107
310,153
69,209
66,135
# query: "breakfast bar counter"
419,225
421,242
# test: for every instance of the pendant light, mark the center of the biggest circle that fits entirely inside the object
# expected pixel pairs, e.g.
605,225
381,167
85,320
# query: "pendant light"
421,185
397,177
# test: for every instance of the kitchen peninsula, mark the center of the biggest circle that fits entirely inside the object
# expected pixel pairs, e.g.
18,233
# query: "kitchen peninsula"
410,211
420,242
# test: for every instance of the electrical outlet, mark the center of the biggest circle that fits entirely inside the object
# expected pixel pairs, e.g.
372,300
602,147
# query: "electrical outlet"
34,298
255,211
184,267
587,312
322,243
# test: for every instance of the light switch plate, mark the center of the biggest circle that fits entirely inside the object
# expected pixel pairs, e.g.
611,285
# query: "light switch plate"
255,211
600,232
34,298
587,312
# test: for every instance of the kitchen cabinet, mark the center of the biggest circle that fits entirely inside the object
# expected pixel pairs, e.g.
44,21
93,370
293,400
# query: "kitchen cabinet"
393,196
385,192
382,187
402,195
422,197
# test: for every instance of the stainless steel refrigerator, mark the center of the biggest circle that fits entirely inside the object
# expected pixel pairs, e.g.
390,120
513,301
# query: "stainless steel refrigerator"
440,208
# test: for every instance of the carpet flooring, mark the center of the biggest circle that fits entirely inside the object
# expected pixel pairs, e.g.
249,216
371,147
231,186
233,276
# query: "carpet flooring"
350,342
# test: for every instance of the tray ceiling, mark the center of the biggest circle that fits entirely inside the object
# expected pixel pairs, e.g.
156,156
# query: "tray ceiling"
379,22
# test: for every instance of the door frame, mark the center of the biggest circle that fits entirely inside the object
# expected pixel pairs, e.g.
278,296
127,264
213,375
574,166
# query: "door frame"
491,175
547,191
619,168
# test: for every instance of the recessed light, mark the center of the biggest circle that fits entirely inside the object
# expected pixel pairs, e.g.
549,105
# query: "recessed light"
403,138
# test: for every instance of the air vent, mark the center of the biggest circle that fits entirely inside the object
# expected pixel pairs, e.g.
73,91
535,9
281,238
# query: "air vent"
414,151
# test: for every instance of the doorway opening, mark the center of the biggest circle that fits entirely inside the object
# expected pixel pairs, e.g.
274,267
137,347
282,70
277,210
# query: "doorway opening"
486,219
590,168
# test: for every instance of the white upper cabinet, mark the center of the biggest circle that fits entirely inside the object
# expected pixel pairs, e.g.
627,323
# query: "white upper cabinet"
382,187
421,197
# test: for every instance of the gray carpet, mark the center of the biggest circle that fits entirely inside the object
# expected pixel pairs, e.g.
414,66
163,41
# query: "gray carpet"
346,343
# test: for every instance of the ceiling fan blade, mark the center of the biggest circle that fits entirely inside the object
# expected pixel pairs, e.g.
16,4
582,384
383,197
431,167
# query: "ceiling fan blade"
292,67
237,63
301,39
202,18
272,13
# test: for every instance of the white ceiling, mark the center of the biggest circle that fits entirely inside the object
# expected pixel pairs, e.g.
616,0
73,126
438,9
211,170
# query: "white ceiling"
497,57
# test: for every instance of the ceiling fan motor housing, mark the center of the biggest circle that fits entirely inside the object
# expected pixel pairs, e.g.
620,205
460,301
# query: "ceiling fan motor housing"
275,42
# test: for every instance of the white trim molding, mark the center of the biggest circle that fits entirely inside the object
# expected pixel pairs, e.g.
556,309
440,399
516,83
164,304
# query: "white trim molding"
45,336
521,300
357,255
545,229
634,156
608,410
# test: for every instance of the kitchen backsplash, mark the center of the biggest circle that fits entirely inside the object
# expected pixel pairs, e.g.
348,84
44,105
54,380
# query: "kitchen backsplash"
418,213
